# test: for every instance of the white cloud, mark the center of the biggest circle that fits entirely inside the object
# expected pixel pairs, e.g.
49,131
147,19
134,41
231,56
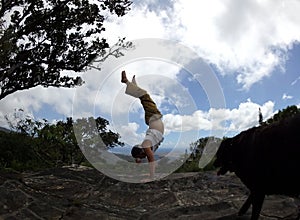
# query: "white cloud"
58,100
295,81
246,115
285,96
139,23
249,39
129,134
18,100
111,95
228,120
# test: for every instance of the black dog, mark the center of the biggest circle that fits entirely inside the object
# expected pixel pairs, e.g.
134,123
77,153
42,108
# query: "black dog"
266,159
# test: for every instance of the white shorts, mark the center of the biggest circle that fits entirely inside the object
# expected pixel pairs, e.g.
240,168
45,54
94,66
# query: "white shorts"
155,136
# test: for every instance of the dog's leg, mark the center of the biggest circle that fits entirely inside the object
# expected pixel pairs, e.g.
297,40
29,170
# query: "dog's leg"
257,202
246,205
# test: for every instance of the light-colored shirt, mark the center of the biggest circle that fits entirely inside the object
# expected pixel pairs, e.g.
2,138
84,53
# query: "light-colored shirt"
155,136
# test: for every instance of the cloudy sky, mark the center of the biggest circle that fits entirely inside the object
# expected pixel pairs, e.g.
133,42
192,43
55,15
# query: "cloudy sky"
251,47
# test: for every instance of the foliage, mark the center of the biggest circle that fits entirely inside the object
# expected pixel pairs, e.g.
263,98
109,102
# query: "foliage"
89,129
18,151
60,140
51,145
284,113
41,38
21,123
260,117
197,148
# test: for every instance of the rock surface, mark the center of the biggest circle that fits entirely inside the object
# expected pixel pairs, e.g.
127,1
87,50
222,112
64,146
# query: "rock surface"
85,193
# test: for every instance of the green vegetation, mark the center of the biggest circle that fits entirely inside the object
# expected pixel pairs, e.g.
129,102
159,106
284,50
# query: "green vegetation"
197,148
35,145
285,113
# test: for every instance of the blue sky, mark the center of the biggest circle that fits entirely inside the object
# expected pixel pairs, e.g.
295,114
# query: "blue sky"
251,47
282,87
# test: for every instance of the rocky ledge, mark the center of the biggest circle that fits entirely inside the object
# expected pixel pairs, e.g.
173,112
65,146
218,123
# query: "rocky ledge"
85,193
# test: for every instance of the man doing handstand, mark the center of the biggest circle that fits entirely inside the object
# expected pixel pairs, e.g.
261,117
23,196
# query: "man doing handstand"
154,134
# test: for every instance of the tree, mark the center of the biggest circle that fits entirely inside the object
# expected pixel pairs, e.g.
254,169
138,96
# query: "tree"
17,151
284,113
36,144
20,122
260,117
89,129
197,148
41,38
59,142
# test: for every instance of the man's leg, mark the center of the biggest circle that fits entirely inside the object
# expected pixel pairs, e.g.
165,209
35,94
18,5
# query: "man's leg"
150,108
133,90
148,104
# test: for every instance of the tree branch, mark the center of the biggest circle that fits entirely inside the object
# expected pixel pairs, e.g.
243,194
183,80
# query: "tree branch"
38,45
114,51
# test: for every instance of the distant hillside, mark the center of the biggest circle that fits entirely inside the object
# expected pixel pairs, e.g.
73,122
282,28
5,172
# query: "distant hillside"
131,159
126,149
5,129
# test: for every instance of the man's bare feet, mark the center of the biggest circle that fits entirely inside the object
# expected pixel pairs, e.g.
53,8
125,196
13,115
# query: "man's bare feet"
124,78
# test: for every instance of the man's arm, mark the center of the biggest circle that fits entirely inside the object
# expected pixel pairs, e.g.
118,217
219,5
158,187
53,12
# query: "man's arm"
150,156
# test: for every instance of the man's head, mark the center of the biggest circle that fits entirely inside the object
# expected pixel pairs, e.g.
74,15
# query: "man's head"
138,152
